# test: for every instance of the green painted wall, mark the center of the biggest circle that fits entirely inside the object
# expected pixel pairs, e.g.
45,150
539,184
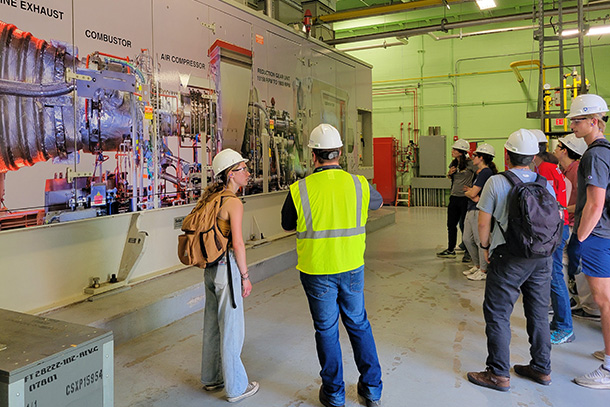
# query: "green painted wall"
489,105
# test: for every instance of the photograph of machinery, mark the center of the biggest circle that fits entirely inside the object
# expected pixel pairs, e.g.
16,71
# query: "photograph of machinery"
110,121
135,129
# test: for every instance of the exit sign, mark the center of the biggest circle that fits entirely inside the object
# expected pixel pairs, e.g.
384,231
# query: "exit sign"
559,122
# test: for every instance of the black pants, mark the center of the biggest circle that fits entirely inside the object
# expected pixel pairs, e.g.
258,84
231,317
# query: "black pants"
507,277
456,213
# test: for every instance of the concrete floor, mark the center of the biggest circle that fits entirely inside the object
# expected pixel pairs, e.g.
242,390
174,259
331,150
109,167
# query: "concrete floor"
427,321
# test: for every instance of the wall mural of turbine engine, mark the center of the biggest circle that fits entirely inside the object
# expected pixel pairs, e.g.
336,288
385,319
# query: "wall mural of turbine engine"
60,106
131,134
36,84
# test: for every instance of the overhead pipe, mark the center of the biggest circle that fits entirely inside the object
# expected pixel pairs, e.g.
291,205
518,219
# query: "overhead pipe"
602,5
483,32
381,10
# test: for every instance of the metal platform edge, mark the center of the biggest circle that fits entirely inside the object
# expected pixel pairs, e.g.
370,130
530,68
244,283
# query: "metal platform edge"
135,310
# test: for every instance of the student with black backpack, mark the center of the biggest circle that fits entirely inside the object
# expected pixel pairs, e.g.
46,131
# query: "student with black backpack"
522,208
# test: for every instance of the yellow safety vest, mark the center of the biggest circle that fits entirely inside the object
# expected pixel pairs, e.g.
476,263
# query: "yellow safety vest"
332,208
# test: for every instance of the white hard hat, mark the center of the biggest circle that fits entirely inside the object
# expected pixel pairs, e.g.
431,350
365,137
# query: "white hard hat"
461,144
226,159
485,148
587,104
539,135
325,137
578,145
522,142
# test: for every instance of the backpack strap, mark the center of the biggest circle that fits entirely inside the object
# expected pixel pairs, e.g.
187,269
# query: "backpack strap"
602,144
228,194
540,180
230,275
512,178
514,181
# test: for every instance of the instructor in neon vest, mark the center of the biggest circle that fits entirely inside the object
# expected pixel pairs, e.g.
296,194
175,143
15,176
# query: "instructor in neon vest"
328,209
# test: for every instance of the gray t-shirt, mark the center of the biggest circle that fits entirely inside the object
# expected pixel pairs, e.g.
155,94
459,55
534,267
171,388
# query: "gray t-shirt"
461,179
494,200
594,169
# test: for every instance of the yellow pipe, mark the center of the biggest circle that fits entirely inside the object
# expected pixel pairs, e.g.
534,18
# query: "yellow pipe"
547,108
376,11
514,66
565,101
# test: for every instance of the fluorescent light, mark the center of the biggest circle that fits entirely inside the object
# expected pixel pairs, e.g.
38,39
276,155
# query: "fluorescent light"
486,4
569,33
599,30
596,30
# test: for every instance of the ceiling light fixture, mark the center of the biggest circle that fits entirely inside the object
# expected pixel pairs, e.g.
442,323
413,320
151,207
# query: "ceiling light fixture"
486,4
599,30
596,30
569,33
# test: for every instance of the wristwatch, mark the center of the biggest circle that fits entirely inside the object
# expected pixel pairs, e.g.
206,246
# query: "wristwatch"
484,247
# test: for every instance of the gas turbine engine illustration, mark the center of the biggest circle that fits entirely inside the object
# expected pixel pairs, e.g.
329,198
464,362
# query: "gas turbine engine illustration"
56,106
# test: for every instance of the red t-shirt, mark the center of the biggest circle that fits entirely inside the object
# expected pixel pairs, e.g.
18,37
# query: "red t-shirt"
572,186
553,175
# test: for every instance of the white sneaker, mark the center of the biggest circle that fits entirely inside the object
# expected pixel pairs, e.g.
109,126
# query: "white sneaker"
477,276
597,379
471,270
599,354
251,390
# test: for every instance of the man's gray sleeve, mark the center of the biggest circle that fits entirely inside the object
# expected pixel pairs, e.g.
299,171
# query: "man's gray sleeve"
376,201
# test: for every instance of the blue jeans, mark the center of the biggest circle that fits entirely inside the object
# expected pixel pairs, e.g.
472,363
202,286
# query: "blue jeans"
560,298
223,330
329,296
507,277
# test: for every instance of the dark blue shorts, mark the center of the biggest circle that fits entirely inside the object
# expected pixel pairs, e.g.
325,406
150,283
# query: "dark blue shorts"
595,256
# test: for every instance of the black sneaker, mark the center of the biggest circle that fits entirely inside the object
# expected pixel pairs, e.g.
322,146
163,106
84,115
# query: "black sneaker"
325,400
448,254
368,402
466,258
582,314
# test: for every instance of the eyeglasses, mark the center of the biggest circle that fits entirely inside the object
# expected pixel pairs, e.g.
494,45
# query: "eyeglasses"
577,120
241,169
476,155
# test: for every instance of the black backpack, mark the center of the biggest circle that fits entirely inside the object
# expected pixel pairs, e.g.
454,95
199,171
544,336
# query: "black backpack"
534,224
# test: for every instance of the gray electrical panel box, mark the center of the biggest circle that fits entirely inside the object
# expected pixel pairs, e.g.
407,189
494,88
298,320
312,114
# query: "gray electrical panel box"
46,362
433,156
